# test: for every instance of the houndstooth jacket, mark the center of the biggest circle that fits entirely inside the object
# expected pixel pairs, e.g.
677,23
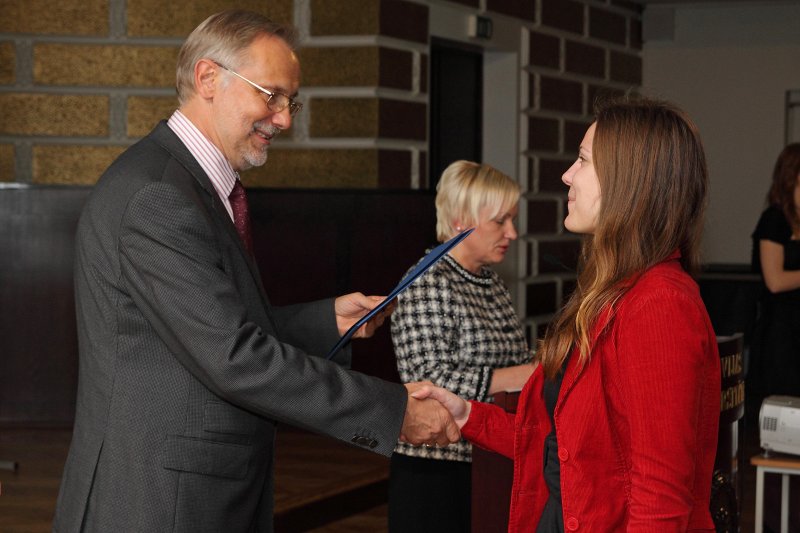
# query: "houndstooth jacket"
453,327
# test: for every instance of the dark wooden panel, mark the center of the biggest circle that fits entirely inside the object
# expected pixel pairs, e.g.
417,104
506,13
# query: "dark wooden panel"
38,343
492,475
330,243
309,244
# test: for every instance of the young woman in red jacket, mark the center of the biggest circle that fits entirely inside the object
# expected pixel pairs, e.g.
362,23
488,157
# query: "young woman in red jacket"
617,428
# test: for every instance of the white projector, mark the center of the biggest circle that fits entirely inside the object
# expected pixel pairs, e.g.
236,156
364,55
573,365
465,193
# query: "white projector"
779,421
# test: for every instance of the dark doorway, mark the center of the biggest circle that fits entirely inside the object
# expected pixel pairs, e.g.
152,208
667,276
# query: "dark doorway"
456,105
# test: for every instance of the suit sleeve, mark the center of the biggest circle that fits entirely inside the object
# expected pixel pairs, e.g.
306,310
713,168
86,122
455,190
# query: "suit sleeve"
171,264
312,328
664,361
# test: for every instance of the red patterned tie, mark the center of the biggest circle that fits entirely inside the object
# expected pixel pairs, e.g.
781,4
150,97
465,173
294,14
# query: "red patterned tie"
241,215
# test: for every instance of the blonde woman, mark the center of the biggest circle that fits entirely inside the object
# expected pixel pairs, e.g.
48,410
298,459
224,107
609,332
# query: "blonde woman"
456,327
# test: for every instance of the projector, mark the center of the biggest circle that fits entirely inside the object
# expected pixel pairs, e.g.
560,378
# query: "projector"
779,422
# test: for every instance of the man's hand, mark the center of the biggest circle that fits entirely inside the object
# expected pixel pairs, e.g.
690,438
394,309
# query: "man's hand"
458,408
350,308
427,422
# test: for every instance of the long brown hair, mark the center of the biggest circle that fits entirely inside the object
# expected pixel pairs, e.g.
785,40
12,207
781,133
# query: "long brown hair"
651,166
784,181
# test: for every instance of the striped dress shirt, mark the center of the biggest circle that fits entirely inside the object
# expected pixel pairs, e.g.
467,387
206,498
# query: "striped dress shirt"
218,169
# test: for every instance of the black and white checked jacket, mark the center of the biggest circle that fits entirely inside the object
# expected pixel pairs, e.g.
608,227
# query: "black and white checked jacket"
453,328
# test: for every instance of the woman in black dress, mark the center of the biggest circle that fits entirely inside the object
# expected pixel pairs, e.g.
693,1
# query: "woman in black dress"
775,349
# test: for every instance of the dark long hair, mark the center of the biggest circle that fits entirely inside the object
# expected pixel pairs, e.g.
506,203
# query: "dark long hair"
784,180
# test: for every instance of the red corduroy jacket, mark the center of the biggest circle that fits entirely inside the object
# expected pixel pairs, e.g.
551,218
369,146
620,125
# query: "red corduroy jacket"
636,428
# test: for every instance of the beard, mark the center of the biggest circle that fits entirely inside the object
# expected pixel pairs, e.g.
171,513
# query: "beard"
254,158
257,156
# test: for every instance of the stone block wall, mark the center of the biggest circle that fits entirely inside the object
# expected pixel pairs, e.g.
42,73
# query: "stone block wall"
80,80
577,52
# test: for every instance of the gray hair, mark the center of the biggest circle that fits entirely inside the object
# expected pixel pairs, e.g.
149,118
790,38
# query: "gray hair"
222,37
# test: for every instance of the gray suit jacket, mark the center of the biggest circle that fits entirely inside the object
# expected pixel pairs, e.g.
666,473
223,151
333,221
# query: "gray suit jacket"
184,365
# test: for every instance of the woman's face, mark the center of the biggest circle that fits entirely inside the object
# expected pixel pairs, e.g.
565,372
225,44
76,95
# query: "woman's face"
488,244
584,189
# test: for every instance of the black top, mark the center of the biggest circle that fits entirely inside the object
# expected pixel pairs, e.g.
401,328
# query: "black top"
552,520
773,226
775,367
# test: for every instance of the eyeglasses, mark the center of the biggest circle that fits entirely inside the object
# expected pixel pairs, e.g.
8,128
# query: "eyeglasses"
276,102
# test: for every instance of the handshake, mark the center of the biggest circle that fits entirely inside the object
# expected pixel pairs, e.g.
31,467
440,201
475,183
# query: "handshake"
434,416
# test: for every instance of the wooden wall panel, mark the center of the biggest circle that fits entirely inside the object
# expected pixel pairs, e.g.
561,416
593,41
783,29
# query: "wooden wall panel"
310,244
38,343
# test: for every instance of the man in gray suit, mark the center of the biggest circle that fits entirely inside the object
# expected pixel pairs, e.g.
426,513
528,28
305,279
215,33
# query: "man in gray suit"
185,367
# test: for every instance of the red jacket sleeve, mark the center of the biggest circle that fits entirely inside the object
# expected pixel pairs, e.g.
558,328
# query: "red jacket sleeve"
490,427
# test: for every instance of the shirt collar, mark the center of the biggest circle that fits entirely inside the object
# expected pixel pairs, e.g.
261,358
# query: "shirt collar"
210,158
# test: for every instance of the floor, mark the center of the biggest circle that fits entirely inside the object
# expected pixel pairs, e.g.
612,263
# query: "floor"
303,479
302,476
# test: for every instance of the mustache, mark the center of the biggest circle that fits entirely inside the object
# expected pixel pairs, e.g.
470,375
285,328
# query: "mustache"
267,128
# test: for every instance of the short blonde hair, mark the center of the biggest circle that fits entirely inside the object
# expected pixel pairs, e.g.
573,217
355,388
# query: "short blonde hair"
467,187
223,37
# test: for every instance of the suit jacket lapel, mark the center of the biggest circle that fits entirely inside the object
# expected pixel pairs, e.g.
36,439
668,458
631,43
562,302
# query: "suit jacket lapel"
165,137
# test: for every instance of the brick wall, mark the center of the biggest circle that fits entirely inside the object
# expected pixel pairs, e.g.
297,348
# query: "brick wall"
82,79
577,50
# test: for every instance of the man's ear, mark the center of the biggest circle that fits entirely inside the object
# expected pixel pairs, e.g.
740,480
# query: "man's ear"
206,74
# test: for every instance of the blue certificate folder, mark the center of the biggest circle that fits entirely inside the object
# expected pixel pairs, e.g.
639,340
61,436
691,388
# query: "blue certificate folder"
427,262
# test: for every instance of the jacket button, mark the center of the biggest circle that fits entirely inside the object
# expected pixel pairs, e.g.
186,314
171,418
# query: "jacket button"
572,524
563,454
373,443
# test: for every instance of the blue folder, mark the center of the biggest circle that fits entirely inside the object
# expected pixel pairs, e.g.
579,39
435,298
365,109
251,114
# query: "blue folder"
427,262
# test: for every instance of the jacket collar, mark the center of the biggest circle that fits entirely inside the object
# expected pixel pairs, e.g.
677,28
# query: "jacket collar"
166,138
